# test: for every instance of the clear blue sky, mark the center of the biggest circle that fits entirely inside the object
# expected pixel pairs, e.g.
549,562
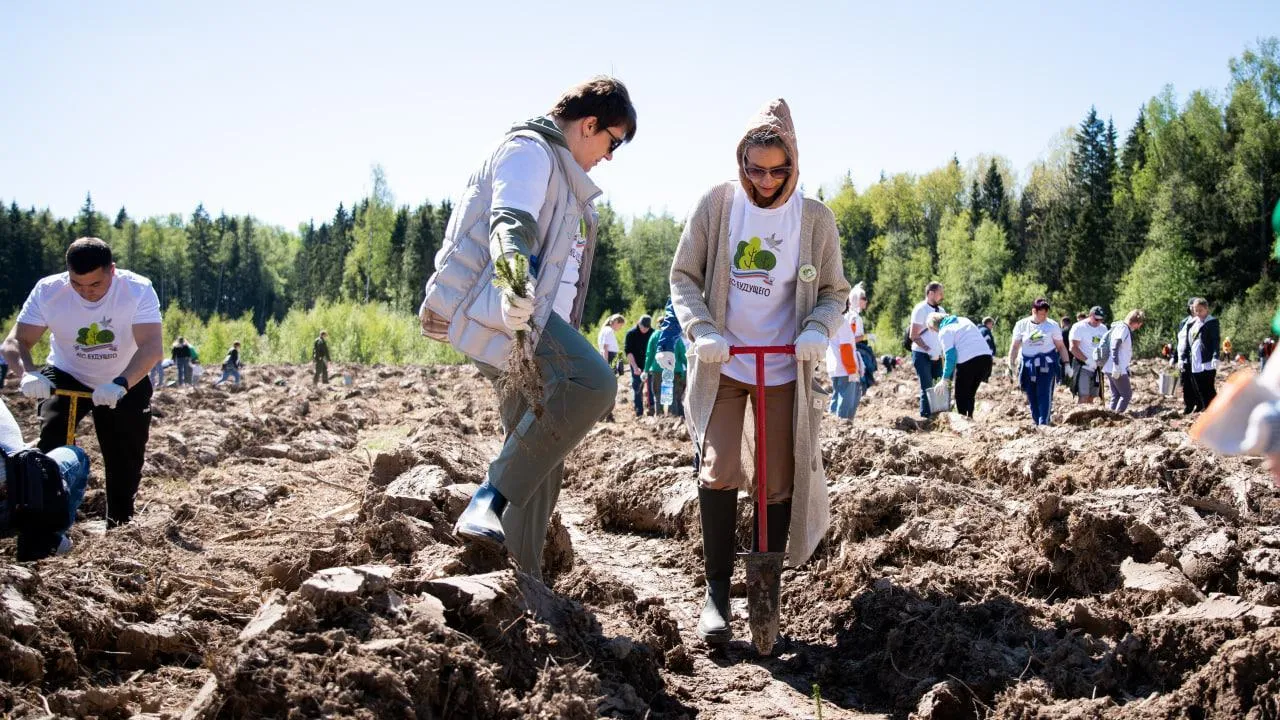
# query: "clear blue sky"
280,109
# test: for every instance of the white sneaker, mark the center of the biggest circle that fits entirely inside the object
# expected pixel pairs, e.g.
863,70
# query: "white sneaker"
64,546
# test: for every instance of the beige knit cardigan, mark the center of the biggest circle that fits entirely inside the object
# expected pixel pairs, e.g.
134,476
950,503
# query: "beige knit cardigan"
700,290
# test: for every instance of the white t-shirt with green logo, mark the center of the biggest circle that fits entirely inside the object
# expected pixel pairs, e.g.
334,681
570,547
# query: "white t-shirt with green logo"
1037,338
92,341
1090,338
761,308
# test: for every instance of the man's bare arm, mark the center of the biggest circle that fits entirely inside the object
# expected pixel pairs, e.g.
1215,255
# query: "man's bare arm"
17,347
149,337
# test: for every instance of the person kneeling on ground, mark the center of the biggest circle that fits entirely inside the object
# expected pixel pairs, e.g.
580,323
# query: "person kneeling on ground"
757,265
530,203
231,365
54,480
966,356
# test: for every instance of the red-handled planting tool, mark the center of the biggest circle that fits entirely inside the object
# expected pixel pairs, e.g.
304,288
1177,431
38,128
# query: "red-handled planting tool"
764,568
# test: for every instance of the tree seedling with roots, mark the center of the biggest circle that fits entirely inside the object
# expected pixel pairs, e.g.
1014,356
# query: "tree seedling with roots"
522,377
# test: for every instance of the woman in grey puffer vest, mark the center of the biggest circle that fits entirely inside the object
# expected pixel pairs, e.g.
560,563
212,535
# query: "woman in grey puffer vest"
531,197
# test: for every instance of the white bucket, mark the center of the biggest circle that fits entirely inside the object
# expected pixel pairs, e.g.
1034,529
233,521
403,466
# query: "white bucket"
1167,383
939,398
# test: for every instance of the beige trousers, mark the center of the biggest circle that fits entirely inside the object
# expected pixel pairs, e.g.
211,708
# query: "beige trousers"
722,463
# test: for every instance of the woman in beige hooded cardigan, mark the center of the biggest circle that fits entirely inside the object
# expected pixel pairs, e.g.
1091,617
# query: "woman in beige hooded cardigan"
757,264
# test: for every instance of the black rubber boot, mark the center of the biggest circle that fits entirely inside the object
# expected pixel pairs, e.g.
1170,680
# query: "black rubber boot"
779,515
719,510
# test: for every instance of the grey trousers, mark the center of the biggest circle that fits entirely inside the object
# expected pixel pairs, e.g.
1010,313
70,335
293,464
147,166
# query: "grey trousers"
579,389
1121,392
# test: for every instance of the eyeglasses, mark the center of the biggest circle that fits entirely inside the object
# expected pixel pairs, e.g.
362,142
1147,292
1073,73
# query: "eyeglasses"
777,173
615,142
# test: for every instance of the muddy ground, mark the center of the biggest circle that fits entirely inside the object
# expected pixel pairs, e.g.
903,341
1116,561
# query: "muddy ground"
292,558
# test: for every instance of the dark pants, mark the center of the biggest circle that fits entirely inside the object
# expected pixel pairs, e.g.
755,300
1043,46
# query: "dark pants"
122,436
927,370
184,370
1197,389
321,372
4,373
867,359
642,393
35,544
677,405
969,375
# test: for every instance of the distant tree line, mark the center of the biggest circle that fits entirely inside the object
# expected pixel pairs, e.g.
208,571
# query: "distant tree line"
1179,206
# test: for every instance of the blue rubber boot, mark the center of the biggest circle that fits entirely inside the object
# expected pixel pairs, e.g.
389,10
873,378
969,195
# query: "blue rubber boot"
482,520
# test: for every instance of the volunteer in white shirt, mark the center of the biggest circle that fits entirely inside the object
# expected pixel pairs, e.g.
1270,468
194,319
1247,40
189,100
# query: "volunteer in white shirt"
966,357
1119,356
1037,351
1197,356
843,366
926,351
105,336
607,340
1085,337
757,264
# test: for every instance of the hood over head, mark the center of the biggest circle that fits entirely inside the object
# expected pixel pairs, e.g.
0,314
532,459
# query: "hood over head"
775,116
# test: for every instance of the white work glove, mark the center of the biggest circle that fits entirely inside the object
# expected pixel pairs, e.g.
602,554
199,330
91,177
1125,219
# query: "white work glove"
666,360
108,394
811,345
36,386
517,310
1115,374
711,348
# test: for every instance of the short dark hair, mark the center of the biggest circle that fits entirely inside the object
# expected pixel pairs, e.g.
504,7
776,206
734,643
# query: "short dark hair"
932,287
1040,304
602,97
87,254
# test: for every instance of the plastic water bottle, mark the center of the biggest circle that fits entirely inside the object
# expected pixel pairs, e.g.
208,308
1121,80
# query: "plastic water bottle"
668,388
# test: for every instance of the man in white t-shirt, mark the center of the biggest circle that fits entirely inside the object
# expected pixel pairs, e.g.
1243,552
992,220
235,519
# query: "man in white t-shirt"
105,336
926,351
1086,337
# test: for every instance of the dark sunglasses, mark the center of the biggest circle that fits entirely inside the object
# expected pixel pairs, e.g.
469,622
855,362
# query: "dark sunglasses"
777,173
615,142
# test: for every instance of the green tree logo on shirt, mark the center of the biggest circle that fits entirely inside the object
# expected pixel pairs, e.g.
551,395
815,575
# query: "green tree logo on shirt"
750,257
93,335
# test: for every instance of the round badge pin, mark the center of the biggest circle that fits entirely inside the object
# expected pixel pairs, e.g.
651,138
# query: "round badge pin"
808,273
